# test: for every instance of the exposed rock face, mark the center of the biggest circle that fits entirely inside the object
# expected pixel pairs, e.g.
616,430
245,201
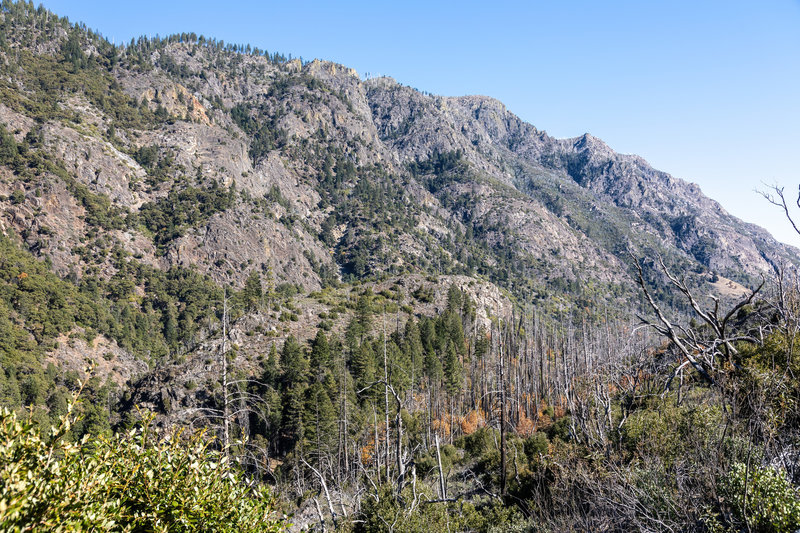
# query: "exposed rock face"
107,360
327,177
233,243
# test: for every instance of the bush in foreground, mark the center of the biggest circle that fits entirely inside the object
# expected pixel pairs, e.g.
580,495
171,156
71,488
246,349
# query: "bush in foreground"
133,481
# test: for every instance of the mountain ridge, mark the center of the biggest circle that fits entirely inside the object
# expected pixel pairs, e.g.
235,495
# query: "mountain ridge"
180,153
588,161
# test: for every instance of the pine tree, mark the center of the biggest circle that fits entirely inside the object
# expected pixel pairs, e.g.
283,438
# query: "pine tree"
481,343
399,367
73,53
363,366
452,370
171,326
265,420
252,293
294,381
432,365
455,331
271,370
320,357
320,423
360,324
269,282
455,298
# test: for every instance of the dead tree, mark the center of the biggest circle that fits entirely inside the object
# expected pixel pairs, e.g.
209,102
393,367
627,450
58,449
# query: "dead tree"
226,439
778,198
399,459
700,350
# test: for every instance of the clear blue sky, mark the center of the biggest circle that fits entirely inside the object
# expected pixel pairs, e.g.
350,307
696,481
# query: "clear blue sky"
708,91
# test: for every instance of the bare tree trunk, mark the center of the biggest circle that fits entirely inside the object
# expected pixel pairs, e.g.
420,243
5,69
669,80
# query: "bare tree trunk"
502,422
327,494
386,395
442,490
321,516
225,406
377,449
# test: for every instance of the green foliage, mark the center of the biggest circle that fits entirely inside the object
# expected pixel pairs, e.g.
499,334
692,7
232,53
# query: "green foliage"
263,129
479,442
763,498
453,373
536,445
252,293
129,482
287,290
160,167
389,511
385,513
180,210
423,294
36,307
440,165
363,367
47,80
294,381
645,460
671,432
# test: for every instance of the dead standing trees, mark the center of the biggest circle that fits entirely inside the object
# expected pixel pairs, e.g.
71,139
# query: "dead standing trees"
704,347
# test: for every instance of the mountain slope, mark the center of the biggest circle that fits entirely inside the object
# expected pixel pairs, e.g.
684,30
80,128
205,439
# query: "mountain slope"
318,166
183,155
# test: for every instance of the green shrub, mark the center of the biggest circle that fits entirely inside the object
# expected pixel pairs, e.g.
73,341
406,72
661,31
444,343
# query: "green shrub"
536,445
129,482
671,432
560,429
763,497
389,513
481,441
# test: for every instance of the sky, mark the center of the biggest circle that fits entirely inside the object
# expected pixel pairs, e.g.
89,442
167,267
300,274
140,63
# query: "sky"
707,91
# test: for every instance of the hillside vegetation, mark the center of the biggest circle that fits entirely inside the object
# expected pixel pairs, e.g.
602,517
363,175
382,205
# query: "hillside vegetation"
240,286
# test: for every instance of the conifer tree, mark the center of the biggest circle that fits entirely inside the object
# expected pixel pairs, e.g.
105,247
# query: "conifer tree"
294,381
252,293
399,367
432,366
363,366
412,347
320,423
270,380
171,325
360,324
271,368
320,358
455,331
455,298
452,370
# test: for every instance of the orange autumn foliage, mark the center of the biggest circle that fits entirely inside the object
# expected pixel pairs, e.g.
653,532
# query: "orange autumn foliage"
442,425
367,452
472,421
525,426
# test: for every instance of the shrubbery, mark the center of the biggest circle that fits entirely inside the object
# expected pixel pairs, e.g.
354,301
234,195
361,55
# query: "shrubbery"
763,498
133,481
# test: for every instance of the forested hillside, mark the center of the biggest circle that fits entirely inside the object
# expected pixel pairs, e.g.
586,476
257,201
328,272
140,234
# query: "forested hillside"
364,308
